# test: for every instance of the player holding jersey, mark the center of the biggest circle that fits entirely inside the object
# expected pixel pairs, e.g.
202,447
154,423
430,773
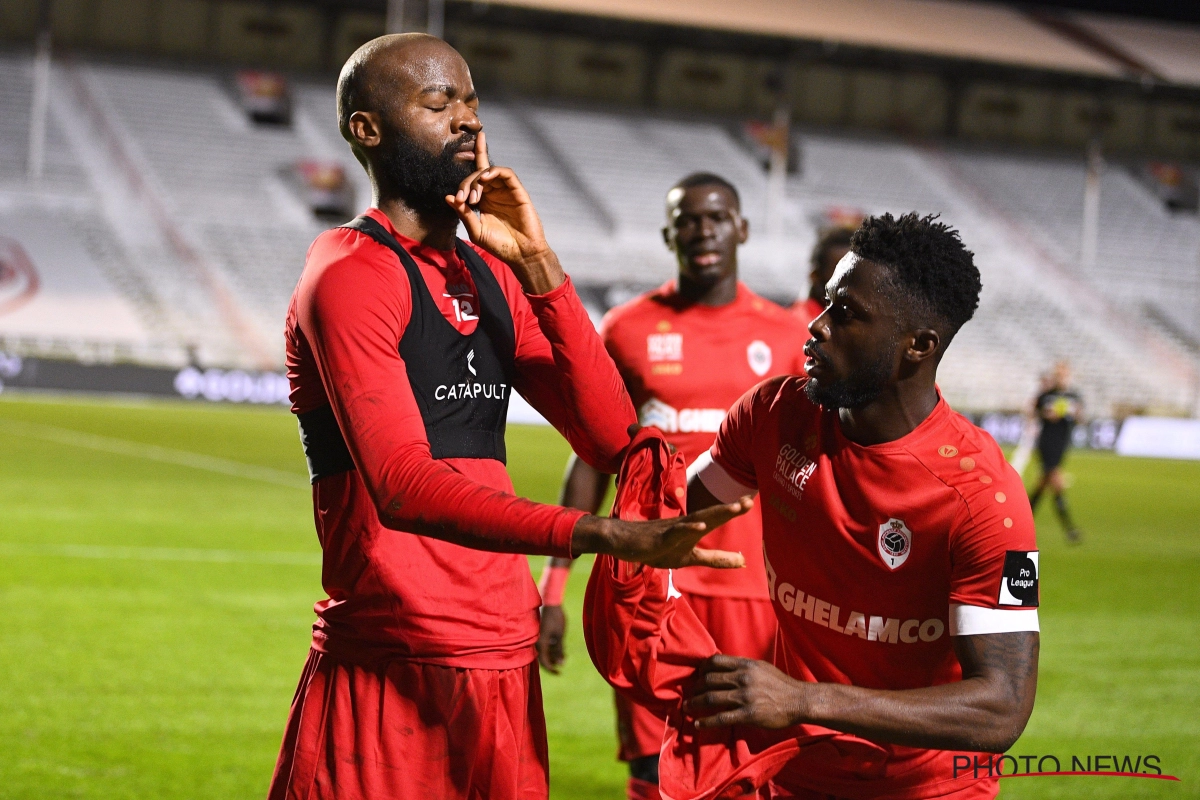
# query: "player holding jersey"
687,351
899,545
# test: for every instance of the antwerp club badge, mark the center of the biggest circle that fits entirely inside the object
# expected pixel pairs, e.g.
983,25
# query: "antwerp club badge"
895,543
759,356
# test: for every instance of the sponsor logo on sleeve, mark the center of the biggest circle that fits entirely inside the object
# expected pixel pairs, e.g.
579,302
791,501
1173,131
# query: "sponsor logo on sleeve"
895,543
759,356
1019,580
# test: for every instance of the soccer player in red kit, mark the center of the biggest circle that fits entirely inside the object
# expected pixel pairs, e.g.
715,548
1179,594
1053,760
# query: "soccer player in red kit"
686,352
899,545
404,345
832,245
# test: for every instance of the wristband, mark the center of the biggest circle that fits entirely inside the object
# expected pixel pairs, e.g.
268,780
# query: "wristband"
553,584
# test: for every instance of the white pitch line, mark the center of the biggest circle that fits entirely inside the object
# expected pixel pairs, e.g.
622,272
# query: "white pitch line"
152,452
161,554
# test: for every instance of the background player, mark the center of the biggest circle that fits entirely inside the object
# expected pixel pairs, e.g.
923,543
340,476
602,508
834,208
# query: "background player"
901,560
687,351
832,245
1057,410
403,346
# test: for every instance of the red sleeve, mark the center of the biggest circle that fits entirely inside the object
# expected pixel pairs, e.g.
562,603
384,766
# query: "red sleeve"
353,307
565,373
733,450
991,538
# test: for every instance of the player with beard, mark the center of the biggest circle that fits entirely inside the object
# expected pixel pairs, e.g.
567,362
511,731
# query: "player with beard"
832,245
686,352
404,345
899,545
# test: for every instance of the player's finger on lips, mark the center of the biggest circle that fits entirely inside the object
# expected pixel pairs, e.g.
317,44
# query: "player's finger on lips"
481,156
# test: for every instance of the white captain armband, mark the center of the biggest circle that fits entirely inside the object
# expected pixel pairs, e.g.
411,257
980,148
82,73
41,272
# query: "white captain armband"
717,480
975,620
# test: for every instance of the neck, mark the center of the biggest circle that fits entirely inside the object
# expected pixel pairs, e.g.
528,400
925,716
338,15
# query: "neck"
894,414
721,293
434,229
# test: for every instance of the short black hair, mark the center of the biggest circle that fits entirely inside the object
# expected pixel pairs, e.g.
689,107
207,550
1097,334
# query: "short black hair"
827,239
707,179
927,263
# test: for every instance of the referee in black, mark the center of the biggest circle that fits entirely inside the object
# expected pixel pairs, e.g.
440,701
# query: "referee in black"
1057,409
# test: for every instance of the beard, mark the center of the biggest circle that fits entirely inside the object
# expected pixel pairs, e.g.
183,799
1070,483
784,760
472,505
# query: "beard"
861,388
420,178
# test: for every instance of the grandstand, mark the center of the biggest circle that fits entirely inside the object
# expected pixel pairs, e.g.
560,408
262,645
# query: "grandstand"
165,232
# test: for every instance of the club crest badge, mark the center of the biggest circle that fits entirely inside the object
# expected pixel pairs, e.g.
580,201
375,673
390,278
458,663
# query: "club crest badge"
895,543
759,356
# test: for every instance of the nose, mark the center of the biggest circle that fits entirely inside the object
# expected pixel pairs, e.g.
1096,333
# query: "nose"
466,120
819,327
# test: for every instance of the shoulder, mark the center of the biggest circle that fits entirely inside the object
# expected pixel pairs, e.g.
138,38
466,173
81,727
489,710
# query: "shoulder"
771,319
969,463
782,394
631,312
343,259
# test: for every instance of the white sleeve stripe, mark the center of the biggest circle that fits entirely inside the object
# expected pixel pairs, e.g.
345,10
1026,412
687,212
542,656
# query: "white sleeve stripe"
716,479
974,620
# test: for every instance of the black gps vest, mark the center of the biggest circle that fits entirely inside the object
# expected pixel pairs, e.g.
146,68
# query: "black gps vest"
461,383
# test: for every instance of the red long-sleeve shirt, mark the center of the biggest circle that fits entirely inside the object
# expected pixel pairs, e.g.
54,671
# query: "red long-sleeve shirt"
400,594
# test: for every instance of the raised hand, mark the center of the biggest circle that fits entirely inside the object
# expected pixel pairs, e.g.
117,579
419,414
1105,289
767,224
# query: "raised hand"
666,543
499,217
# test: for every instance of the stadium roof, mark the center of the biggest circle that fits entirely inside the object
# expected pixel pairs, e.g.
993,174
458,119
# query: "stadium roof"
1170,51
976,31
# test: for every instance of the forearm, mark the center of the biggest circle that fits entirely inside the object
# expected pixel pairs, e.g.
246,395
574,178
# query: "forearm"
422,495
965,715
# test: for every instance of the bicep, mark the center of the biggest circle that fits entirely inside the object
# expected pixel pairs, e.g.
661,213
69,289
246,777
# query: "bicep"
1007,662
699,497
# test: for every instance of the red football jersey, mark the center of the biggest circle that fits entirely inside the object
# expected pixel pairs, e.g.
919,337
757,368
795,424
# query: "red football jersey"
877,555
685,364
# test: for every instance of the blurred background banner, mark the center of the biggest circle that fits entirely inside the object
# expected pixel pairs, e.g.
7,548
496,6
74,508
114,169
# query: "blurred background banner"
165,164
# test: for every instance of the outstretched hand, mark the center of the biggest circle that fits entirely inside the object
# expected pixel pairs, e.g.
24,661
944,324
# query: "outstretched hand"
665,543
499,217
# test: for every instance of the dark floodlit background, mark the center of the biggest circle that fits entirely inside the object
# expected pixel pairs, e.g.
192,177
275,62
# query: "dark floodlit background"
164,165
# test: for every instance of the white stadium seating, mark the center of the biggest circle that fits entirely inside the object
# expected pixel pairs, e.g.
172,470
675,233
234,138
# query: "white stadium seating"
164,228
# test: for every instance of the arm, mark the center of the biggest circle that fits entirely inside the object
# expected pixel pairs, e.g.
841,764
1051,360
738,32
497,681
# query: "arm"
987,710
563,369
352,311
584,488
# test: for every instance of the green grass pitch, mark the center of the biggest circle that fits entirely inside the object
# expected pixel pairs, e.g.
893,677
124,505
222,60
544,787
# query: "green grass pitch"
158,568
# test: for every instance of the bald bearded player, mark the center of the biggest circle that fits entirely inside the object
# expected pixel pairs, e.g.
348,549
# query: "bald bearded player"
404,345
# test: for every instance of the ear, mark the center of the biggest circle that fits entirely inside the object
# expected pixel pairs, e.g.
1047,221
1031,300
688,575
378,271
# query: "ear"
668,239
743,228
924,345
365,128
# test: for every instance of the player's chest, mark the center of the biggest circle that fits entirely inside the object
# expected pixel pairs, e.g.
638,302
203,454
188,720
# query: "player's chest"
677,363
861,519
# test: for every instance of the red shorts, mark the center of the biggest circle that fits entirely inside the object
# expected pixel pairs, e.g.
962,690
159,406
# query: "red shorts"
409,731
740,627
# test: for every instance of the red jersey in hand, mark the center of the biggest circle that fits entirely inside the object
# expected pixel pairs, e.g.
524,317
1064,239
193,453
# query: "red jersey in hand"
685,364
876,556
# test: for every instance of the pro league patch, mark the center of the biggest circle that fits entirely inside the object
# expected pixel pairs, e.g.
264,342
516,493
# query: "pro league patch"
1019,581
